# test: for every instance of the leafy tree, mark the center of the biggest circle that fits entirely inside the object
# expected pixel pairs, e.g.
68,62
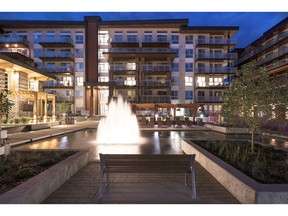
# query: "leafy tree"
5,105
64,107
248,101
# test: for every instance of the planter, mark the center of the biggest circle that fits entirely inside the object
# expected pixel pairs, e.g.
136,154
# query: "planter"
227,130
242,187
3,134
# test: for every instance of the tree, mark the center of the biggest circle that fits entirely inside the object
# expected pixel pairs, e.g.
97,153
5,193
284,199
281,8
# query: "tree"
5,105
248,100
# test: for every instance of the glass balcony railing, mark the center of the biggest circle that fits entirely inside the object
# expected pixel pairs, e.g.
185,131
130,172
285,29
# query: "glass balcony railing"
155,40
200,99
124,83
120,67
156,83
273,56
156,68
227,56
125,40
20,51
54,54
54,40
211,84
215,70
155,98
57,69
14,41
216,42
58,84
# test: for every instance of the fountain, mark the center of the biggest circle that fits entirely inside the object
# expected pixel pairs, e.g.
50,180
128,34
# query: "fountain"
120,125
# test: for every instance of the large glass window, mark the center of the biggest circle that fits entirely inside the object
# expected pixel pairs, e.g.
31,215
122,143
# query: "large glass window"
174,95
37,52
103,38
79,81
37,36
175,67
176,51
188,95
175,39
79,38
189,39
79,53
103,67
189,53
80,67
189,67
79,93
132,36
147,36
188,81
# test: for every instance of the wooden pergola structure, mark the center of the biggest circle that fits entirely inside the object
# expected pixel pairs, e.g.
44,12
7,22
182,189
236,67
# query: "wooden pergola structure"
155,107
36,97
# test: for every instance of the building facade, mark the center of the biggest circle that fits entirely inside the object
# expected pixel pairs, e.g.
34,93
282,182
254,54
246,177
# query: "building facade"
147,61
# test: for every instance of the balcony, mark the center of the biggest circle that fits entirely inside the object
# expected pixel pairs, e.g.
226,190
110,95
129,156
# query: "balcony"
212,85
216,70
215,56
208,99
124,83
56,56
60,70
280,53
14,42
156,69
215,42
68,99
155,42
155,98
58,85
261,48
19,54
156,83
121,67
56,42
125,42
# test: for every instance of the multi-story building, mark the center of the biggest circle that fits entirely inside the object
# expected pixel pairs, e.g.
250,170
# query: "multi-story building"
269,51
147,61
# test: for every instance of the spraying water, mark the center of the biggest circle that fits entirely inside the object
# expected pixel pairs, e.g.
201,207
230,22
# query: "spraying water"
120,125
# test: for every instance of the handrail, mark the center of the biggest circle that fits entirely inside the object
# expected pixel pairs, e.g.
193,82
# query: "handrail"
55,40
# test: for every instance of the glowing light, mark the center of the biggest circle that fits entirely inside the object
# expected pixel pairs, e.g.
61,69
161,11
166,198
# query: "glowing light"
120,125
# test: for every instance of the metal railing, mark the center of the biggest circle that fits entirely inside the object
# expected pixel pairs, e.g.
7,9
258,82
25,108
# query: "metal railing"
155,98
68,99
156,83
120,67
57,69
14,40
273,56
208,99
215,70
125,40
212,84
124,83
216,42
216,56
155,40
22,52
259,49
67,40
58,84
156,68
55,54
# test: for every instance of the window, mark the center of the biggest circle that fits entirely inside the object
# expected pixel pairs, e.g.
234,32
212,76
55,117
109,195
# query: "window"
161,36
22,34
50,34
103,38
147,36
189,53
103,79
100,53
130,81
79,53
176,51
65,34
79,38
174,80
132,36
103,67
79,93
80,67
37,52
201,81
189,67
215,81
174,95
188,81
175,67
37,36
175,39
118,36
189,39
188,95
79,81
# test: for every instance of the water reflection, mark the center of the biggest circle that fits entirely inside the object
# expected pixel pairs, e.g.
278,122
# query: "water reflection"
155,142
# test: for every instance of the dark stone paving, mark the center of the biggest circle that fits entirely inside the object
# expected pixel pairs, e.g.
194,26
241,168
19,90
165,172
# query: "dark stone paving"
140,189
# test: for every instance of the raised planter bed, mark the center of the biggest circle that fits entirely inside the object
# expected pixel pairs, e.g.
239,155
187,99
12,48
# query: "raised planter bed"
38,188
244,188
227,130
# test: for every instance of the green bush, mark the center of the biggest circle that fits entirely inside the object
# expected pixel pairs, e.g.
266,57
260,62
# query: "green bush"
3,169
47,162
25,173
5,121
24,120
17,120
11,121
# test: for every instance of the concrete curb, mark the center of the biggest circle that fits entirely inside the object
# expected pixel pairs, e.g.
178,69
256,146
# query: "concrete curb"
38,188
244,188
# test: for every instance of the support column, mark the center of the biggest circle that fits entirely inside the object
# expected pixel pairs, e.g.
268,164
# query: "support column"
91,102
45,109
35,106
54,109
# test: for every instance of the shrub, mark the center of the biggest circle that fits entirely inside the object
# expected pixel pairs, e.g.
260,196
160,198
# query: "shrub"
24,120
25,173
5,121
47,162
17,120
3,169
11,121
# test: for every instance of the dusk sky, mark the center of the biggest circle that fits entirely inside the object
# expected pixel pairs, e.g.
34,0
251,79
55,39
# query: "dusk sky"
251,24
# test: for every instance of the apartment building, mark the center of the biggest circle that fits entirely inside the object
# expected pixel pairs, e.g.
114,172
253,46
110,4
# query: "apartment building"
147,61
269,51
55,48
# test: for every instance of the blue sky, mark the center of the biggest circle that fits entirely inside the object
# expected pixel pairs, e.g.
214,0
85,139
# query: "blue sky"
252,24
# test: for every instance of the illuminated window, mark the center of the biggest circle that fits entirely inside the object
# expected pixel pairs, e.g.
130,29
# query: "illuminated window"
130,81
201,81
188,81
79,81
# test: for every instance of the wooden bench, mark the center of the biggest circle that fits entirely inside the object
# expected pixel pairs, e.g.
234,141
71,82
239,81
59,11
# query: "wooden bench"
141,163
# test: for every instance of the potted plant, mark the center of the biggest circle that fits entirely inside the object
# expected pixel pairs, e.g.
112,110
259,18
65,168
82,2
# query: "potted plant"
5,107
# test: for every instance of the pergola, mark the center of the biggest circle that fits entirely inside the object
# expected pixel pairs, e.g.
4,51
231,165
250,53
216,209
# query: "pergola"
155,107
36,96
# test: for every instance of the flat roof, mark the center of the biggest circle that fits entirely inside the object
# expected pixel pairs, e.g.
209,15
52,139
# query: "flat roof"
40,24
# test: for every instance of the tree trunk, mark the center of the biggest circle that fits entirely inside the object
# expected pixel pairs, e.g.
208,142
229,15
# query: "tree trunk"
252,141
